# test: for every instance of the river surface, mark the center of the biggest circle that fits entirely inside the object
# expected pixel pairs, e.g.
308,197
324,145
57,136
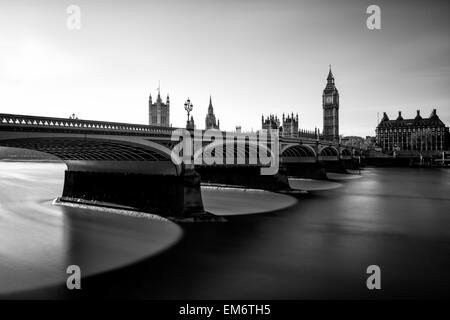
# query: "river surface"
314,245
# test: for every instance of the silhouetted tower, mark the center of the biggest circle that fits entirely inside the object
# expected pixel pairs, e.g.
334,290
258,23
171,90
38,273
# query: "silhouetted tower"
290,125
210,120
159,112
330,102
271,122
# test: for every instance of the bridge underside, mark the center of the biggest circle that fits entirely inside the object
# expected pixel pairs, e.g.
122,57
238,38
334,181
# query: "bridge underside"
100,155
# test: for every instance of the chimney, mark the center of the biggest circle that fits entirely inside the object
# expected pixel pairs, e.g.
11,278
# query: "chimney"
418,113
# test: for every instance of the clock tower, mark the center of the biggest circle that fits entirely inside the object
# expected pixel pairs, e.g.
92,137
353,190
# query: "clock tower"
330,103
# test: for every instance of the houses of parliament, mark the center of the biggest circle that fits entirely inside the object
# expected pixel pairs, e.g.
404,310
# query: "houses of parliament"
289,126
159,115
159,112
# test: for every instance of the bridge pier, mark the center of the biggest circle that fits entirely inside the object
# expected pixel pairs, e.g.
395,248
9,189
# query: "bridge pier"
306,170
243,176
334,166
341,166
165,195
352,164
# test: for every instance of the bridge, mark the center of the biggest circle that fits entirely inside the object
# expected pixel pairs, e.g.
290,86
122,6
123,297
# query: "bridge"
133,165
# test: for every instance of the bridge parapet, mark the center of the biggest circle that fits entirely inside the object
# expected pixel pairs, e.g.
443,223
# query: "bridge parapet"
298,140
33,123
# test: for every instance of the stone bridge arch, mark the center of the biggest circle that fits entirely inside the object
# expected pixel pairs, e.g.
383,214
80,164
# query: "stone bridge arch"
102,154
346,154
298,153
240,152
328,153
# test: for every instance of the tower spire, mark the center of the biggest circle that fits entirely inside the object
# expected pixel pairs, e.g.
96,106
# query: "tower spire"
330,74
210,107
210,120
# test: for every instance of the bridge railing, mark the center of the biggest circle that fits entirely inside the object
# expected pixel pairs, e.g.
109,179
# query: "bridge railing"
300,140
26,123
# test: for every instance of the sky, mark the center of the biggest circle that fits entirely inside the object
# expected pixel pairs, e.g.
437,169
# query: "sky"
253,57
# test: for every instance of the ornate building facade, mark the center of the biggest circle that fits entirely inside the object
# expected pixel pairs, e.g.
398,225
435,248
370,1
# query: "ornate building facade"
210,120
419,134
330,103
159,112
290,126
270,122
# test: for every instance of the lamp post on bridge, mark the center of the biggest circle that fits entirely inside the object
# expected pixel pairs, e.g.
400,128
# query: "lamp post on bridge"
188,106
191,178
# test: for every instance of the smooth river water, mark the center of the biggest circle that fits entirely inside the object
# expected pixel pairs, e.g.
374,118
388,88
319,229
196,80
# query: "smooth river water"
316,245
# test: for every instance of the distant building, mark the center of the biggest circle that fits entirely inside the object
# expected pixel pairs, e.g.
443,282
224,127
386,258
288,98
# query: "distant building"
270,122
239,129
330,103
290,125
310,134
159,112
370,143
353,141
210,121
420,134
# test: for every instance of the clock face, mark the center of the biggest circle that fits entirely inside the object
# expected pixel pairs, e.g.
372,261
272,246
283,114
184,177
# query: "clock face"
328,99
